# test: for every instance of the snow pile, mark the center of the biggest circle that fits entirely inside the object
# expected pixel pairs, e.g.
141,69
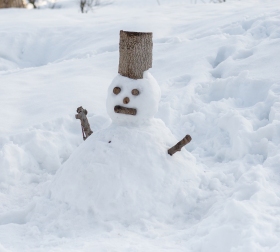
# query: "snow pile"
124,173
217,67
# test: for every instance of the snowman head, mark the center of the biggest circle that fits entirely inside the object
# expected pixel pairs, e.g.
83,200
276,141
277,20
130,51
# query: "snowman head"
133,101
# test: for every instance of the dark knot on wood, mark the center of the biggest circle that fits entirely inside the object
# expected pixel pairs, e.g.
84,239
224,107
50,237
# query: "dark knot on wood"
179,145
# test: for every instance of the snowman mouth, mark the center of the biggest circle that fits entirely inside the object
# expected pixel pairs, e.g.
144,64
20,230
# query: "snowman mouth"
123,110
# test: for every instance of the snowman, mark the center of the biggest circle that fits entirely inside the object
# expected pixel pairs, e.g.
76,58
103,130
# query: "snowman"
124,172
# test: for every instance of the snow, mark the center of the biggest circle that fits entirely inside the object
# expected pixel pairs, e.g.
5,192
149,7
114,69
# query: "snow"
110,177
217,68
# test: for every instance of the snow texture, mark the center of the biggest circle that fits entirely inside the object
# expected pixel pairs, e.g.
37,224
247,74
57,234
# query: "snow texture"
217,66
111,177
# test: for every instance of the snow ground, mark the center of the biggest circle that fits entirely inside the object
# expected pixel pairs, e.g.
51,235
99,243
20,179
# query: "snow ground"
217,65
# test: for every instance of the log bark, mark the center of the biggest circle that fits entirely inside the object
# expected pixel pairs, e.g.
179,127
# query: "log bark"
136,49
11,4
179,145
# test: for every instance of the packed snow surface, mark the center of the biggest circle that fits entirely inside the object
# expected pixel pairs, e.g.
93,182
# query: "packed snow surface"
217,66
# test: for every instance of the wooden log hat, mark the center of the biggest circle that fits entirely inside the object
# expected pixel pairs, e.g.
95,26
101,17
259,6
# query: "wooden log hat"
136,53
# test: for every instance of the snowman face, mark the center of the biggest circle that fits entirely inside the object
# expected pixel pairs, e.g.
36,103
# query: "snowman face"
126,100
133,101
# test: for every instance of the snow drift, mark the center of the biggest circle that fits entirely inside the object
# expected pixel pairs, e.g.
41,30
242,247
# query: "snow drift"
217,67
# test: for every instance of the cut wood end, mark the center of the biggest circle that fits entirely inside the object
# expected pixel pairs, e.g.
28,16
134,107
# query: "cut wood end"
130,33
188,138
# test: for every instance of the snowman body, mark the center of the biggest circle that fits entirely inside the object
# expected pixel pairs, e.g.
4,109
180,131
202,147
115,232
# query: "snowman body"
123,172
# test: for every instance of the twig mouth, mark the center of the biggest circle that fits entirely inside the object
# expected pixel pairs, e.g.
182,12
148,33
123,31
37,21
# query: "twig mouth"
123,110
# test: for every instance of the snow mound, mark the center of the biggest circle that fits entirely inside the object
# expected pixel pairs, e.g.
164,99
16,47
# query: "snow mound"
124,173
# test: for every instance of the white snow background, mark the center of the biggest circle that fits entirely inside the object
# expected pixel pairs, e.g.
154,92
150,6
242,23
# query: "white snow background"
218,69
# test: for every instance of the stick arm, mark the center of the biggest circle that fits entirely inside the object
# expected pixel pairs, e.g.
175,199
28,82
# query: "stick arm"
179,145
78,116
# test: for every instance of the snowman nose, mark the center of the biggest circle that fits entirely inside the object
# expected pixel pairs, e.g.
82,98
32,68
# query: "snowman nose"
126,100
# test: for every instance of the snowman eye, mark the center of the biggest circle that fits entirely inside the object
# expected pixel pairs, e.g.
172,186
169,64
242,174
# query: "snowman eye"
116,90
135,92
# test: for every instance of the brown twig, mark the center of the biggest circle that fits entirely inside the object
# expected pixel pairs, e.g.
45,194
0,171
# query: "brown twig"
84,136
179,145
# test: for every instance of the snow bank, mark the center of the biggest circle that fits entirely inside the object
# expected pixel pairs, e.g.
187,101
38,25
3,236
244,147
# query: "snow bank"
217,66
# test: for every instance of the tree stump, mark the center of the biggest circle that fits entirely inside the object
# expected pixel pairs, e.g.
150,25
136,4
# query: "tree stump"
11,4
136,53
179,145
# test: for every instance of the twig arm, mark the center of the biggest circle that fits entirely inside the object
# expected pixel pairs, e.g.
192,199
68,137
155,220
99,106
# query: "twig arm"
179,145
